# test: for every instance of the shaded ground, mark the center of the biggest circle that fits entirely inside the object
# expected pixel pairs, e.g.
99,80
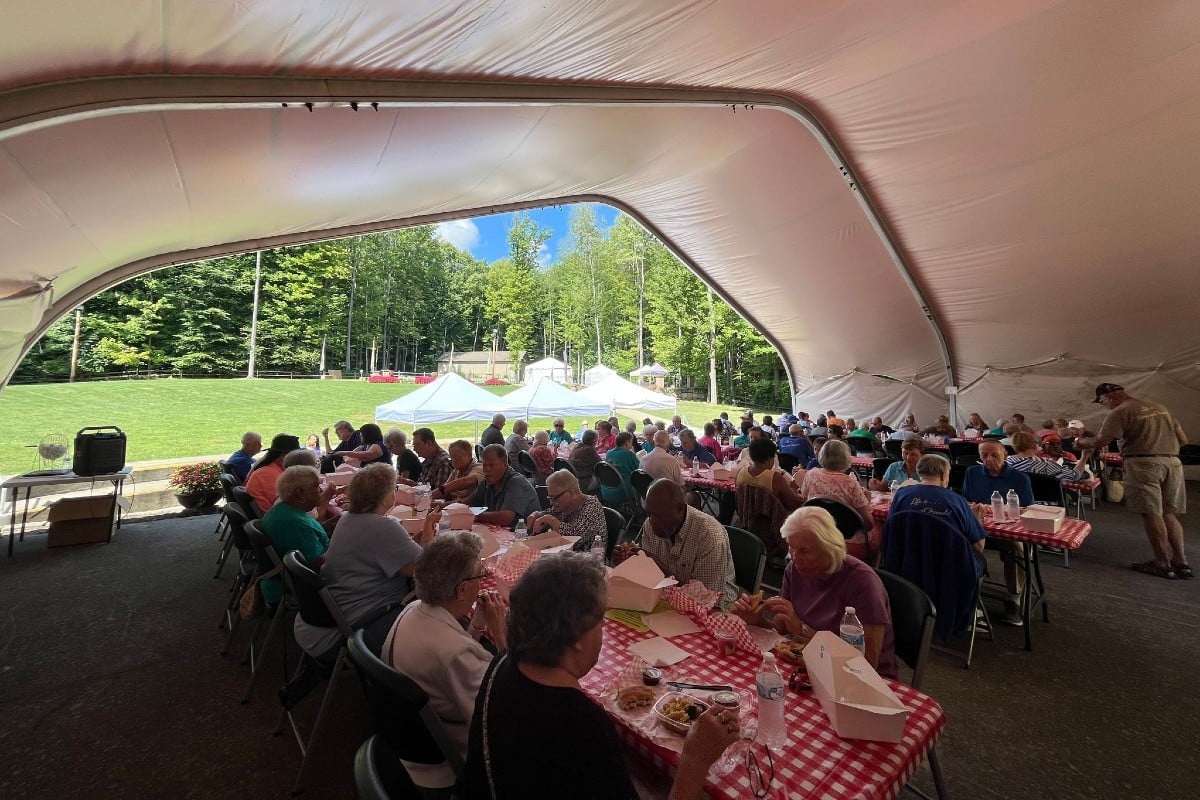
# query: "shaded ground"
111,685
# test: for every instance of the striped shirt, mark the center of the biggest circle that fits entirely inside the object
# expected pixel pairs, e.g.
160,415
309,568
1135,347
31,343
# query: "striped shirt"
1036,465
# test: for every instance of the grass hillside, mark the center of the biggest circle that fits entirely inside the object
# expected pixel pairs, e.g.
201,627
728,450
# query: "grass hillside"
170,418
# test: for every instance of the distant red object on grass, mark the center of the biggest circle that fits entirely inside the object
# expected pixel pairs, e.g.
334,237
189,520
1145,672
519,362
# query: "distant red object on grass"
384,379
422,379
495,382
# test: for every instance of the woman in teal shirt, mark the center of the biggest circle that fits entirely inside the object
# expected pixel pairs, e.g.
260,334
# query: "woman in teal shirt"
625,461
289,526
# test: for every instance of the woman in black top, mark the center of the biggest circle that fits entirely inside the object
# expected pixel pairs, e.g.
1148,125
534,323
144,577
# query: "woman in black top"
408,465
372,449
530,704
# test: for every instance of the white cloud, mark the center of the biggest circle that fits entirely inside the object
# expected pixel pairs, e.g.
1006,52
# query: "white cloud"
543,255
462,233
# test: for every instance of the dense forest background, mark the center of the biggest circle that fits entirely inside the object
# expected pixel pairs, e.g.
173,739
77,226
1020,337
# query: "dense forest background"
614,295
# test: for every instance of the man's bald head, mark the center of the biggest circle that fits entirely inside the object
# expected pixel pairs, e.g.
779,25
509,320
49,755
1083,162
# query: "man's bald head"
666,508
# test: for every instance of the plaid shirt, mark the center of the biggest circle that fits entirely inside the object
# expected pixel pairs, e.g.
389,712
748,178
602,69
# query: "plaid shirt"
699,551
436,471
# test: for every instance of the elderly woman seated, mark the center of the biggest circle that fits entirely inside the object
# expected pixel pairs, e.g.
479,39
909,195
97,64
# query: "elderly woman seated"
572,513
531,702
543,457
831,481
370,558
903,470
761,472
288,524
818,584
432,643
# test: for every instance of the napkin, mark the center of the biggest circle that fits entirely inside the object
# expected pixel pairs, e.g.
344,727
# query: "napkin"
670,623
658,651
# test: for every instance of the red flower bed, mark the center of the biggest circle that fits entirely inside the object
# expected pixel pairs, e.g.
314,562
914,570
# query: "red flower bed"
422,379
495,382
382,379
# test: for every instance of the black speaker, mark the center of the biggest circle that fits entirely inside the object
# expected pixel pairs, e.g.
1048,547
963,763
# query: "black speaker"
99,451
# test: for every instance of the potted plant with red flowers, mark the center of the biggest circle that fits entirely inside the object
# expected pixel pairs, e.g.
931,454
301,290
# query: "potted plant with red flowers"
197,485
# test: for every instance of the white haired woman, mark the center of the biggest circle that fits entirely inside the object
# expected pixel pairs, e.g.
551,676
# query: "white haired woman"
572,513
831,481
531,703
818,584
433,643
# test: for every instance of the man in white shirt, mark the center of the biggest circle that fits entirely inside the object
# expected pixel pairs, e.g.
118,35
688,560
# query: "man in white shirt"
659,462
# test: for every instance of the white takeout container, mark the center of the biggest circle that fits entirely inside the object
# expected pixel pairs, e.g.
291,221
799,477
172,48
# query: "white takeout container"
413,525
1043,519
721,473
636,584
405,496
858,703
401,511
549,539
459,516
338,478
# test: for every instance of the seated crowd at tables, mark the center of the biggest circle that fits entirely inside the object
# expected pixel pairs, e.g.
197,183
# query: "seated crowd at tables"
481,659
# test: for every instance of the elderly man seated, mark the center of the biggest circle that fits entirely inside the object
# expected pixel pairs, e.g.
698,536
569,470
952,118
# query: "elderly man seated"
659,463
436,466
691,449
995,475
506,494
348,440
686,542
465,476
242,460
494,433
432,642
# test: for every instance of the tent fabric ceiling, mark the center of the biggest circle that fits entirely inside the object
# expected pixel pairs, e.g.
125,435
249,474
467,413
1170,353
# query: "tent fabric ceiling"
1033,161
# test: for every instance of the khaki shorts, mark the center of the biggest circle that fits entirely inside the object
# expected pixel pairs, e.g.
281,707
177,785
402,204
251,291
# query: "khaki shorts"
1155,486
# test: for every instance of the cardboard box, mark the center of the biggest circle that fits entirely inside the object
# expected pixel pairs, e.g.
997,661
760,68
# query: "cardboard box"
720,473
636,584
81,520
858,703
1044,519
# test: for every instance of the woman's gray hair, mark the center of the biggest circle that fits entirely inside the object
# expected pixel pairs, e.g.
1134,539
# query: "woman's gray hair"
820,523
449,560
397,437
293,478
835,456
933,465
561,481
300,458
541,437
556,601
369,486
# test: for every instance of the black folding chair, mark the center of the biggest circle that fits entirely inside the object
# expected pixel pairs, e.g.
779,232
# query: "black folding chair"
1049,491
543,497
479,452
562,463
615,524
879,466
246,502
913,620
749,558
317,607
892,448
787,461
958,474
964,450
863,445
248,568
848,521
378,773
268,558
228,482
403,716
525,464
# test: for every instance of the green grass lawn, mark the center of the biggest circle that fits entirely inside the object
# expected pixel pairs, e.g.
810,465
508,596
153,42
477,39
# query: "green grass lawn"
172,418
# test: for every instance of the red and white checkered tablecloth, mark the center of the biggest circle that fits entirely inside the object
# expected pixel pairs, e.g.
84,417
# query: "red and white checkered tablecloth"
1085,487
1070,535
862,461
1115,459
705,480
816,762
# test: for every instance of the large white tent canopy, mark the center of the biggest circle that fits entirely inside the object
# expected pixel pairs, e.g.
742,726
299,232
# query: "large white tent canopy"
990,196
616,392
451,398
545,398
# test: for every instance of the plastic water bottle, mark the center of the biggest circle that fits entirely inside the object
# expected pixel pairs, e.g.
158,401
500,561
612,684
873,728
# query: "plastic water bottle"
695,466
852,631
894,485
599,541
772,730
443,524
997,506
1014,505
520,531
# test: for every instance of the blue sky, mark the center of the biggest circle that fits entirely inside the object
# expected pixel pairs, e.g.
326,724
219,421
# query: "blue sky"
487,237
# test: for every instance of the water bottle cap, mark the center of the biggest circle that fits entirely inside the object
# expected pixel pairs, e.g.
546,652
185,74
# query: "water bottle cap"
849,609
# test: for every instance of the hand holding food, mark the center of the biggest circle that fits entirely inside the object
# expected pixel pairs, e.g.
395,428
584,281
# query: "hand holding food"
623,551
749,607
710,734
783,616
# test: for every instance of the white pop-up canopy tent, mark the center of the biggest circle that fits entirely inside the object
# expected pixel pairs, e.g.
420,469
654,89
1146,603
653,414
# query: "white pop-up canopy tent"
1006,189
597,374
654,370
545,398
550,368
617,392
451,398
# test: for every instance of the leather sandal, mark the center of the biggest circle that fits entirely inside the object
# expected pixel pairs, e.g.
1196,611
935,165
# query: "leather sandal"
1183,571
1151,568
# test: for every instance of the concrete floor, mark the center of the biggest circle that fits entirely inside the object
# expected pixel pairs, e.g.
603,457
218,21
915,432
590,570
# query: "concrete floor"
111,684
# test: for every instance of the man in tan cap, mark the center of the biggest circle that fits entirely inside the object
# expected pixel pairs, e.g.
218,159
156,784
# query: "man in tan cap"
1151,438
